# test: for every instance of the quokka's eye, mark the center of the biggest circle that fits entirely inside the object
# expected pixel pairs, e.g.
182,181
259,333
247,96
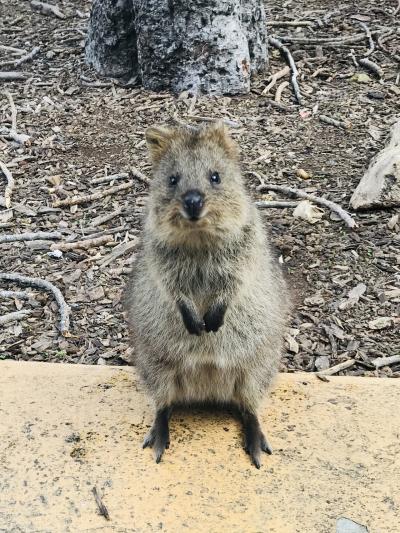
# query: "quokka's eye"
173,180
215,177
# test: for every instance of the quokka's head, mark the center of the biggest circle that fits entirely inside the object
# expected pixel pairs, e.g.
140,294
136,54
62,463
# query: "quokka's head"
197,192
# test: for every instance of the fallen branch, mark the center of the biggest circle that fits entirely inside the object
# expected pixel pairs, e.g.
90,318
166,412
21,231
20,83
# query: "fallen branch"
337,368
47,9
112,177
333,122
350,222
386,361
20,295
13,317
262,204
372,66
276,43
279,91
6,200
11,75
82,245
38,236
275,77
27,57
77,200
47,286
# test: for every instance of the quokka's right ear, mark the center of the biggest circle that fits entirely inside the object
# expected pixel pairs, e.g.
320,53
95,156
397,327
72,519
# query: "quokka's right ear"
158,140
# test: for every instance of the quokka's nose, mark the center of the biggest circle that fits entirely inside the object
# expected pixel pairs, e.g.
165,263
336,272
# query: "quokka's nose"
193,202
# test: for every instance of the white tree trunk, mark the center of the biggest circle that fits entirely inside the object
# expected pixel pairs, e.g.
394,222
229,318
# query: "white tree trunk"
207,46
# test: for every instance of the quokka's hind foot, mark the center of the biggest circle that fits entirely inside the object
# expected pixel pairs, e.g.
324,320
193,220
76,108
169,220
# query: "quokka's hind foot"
254,439
158,436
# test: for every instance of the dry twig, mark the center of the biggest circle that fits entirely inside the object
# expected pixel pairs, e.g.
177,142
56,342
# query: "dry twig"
386,361
19,295
350,222
333,122
291,23
13,111
275,77
28,57
38,236
98,221
226,121
265,204
112,177
279,91
12,76
276,43
102,508
77,200
118,251
369,37
14,316
372,66
47,286
6,200
137,174
326,41
47,9
12,133
337,368
82,245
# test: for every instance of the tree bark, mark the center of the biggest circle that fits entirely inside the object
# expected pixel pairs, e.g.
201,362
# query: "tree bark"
207,46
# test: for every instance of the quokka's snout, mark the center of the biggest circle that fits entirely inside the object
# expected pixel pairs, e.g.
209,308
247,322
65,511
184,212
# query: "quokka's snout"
193,204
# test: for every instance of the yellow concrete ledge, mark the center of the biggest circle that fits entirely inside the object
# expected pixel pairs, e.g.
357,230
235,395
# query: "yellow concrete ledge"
66,428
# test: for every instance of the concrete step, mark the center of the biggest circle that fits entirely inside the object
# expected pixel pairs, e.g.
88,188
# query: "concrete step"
68,428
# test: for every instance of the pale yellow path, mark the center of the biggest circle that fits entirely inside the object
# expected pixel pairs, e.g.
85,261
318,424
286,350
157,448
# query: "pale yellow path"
66,428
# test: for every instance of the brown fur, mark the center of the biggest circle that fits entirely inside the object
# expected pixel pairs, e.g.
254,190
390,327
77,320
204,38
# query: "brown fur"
221,261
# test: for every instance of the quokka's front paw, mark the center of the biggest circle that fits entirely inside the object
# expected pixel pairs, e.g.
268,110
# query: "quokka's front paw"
214,318
192,323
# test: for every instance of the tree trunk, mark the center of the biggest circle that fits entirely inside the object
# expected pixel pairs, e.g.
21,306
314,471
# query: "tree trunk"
208,46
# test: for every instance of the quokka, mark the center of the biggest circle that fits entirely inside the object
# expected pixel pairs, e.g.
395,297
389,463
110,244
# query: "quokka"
207,302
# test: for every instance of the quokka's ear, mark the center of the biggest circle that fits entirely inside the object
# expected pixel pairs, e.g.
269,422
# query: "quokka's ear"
218,133
158,140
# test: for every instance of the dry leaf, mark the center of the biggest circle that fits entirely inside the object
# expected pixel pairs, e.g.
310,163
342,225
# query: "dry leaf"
309,212
381,322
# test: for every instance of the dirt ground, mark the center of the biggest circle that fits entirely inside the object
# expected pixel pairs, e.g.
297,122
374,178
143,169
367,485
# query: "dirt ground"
83,128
